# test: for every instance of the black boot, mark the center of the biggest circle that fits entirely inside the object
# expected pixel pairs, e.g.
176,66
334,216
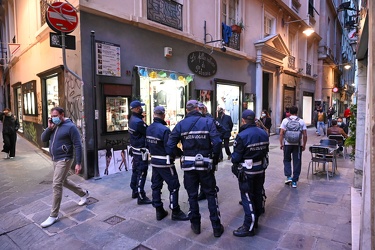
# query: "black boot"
201,196
160,213
219,231
243,231
144,201
134,194
177,214
196,228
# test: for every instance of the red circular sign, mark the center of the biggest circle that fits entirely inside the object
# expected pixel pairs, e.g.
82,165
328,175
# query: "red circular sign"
61,17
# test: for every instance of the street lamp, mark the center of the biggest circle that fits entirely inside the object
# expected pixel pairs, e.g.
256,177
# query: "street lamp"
308,31
347,66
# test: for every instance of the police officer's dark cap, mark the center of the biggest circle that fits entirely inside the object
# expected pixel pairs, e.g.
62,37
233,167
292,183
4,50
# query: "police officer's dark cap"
192,104
201,105
248,114
135,104
159,110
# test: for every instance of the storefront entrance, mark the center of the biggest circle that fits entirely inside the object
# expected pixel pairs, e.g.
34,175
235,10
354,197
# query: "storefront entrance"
164,88
228,97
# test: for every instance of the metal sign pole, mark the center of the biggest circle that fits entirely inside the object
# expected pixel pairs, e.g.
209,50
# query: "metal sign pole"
83,123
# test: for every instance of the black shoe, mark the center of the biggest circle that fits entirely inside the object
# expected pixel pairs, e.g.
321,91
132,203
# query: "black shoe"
196,228
134,195
144,201
240,202
217,189
219,231
201,196
160,213
243,231
179,215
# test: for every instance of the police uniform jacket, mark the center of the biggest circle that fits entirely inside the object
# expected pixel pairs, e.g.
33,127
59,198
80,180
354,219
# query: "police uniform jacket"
252,143
198,135
137,131
157,135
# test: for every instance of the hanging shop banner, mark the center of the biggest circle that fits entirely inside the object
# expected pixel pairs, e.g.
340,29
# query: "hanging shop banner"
108,59
202,64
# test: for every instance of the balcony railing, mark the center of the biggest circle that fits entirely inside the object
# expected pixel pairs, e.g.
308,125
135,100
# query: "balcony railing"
308,69
166,12
291,62
234,41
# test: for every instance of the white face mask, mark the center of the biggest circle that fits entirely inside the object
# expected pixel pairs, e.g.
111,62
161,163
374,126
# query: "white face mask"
263,115
339,123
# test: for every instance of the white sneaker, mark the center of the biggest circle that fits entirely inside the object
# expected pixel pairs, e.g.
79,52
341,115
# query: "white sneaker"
50,220
83,199
7,156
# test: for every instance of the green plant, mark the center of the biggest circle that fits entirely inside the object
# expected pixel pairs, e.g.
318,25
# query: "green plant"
241,24
350,141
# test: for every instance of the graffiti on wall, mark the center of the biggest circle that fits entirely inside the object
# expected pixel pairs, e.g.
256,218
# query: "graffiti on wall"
116,142
30,132
73,93
39,107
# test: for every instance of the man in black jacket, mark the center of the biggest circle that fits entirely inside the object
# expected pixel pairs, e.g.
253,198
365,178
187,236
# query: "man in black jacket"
225,121
10,127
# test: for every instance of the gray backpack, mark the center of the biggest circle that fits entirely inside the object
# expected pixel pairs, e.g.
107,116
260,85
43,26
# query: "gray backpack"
293,131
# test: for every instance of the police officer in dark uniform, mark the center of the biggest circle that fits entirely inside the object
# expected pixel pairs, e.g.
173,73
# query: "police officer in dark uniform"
163,168
250,159
137,131
201,147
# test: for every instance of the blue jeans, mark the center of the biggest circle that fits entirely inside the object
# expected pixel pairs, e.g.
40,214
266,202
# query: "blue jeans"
321,126
294,151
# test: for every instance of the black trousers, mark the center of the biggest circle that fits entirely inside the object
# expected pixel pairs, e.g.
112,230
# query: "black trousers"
252,197
10,143
169,175
139,174
192,180
226,146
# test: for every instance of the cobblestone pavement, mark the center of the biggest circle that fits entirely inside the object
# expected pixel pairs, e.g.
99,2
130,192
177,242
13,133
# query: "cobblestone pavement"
316,215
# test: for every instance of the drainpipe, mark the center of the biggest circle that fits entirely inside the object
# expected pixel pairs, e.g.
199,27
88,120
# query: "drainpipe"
83,124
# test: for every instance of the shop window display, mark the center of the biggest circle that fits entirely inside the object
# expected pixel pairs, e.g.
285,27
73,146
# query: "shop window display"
117,112
228,97
164,89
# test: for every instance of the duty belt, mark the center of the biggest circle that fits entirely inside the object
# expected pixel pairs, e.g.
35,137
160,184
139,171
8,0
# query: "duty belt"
161,157
243,164
137,151
192,158
255,172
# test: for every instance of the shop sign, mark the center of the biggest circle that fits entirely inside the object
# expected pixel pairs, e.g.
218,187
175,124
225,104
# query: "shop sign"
202,64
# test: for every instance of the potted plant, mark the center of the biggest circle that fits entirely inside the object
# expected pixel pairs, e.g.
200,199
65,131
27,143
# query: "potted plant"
237,28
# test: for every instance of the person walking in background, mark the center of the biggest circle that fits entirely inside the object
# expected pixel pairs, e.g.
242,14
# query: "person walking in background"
330,113
201,148
250,159
321,121
64,143
315,119
225,121
10,128
347,115
266,120
163,167
286,114
137,131
293,138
